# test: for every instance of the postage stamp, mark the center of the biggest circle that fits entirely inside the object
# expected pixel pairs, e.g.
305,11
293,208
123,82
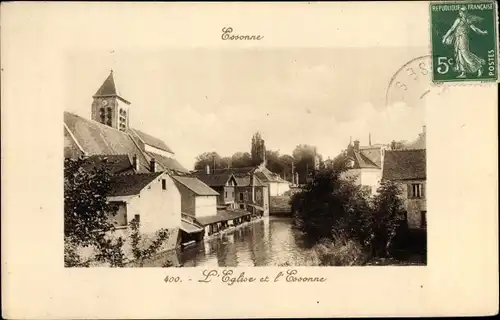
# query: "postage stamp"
464,41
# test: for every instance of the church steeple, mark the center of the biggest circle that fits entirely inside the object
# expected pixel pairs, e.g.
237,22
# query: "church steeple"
108,88
109,107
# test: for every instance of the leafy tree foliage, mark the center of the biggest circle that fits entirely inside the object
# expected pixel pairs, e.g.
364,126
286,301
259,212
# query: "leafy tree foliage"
332,207
258,149
241,160
213,159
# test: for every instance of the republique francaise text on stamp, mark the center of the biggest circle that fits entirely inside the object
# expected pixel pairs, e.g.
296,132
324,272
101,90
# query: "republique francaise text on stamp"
464,41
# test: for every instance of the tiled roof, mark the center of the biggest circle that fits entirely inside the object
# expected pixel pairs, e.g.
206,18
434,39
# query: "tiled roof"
150,140
361,161
189,227
241,175
99,139
267,175
196,186
168,163
373,153
222,215
244,181
117,164
131,184
404,165
214,179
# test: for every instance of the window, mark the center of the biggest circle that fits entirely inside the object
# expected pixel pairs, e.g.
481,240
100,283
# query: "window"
423,219
242,206
241,196
164,184
416,190
226,194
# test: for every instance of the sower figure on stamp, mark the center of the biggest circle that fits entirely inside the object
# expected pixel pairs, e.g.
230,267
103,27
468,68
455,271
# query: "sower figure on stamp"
465,60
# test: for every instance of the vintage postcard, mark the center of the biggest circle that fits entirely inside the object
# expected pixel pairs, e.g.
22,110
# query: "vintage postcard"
249,159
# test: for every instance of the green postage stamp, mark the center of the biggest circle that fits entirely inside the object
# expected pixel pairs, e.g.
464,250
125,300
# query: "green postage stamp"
464,41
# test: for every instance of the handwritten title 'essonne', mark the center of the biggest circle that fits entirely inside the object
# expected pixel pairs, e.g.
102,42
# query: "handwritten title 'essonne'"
227,34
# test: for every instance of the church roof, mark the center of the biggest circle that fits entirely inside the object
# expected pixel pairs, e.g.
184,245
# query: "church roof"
108,88
152,141
95,138
117,164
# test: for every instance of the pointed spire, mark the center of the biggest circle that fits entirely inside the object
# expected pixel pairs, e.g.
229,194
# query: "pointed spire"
108,87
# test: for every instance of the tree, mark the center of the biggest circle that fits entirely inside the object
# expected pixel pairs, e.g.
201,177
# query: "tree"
258,149
87,213
304,156
212,159
226,162
241,160
387,218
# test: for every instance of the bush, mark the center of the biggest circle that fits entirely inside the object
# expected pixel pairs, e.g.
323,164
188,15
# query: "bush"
344,220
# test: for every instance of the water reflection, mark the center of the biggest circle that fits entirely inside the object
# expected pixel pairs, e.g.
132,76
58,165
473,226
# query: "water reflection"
267,242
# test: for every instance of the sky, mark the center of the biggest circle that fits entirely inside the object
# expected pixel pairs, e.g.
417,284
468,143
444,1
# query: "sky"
214,99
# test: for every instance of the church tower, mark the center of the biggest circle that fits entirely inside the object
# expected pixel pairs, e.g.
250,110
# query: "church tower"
109,108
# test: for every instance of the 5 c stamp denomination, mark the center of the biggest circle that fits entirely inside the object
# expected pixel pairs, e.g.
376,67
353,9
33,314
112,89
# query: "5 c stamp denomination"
464,41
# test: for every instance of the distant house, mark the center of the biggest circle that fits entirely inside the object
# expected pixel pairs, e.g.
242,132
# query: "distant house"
198,199
222,181
365,164
199,202
251,194
150,198
277,186
408,168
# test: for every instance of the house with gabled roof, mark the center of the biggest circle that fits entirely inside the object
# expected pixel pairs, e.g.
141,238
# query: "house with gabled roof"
251,193
365,164
222,181
408,169
197,199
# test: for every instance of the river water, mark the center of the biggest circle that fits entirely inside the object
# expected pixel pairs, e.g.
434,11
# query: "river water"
267,242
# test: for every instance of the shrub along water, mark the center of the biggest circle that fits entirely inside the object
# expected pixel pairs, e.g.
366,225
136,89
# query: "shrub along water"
346,224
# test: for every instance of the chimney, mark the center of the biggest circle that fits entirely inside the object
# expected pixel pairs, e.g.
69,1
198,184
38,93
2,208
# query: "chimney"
152,165
370,139
208,169
423,129
135,162
356,145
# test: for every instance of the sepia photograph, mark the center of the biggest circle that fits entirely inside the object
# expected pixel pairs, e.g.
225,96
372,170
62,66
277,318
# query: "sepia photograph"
184,160
244,157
